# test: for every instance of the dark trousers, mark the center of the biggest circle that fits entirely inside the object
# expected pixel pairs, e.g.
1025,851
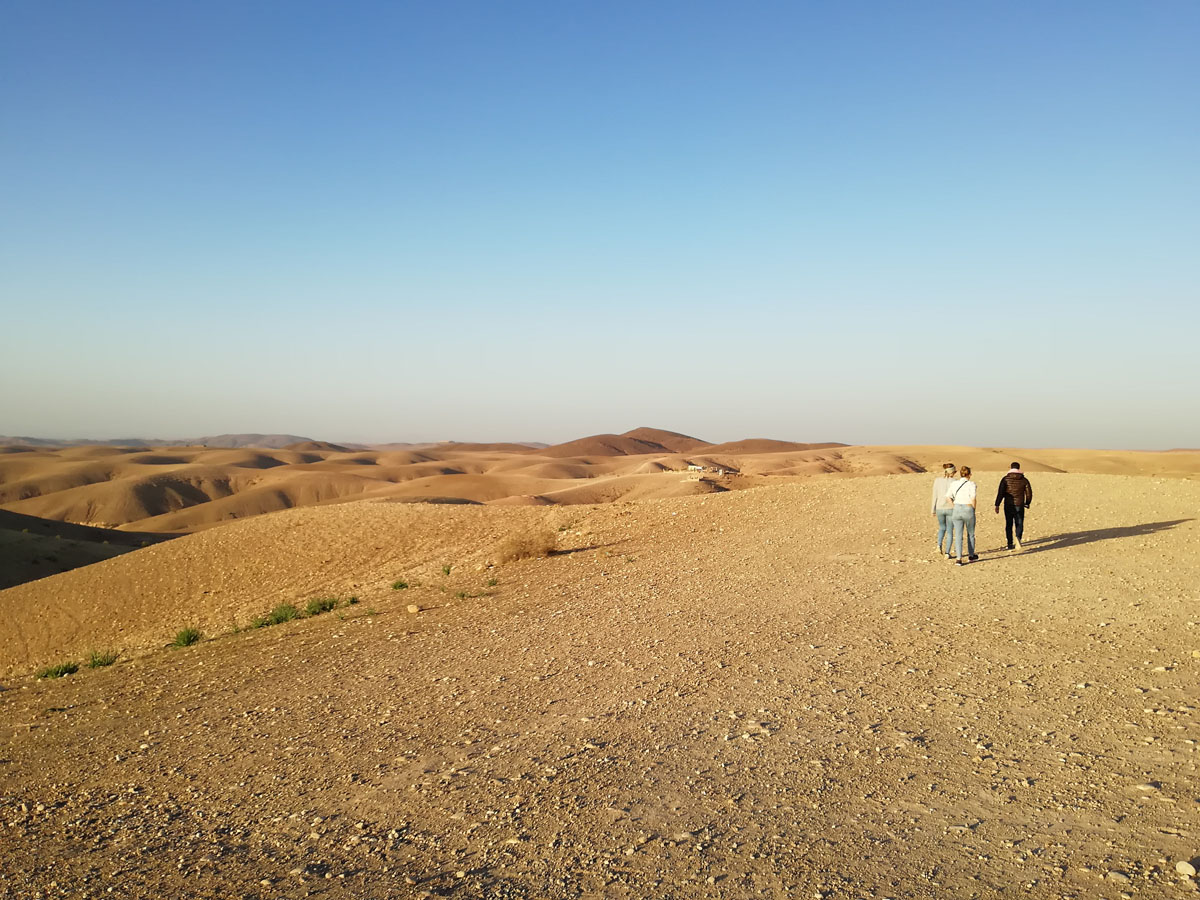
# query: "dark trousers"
1014,516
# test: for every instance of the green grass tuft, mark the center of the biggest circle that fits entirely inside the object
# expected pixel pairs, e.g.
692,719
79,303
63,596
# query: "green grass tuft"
319,605
284,612
185,637
399,585
446,570
59,670
97,659
353,601
492,582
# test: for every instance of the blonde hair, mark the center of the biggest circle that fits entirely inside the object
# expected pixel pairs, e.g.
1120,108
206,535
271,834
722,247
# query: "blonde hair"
965,472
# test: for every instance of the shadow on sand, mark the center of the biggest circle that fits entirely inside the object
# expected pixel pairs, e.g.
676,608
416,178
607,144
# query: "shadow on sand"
571,550
1075,538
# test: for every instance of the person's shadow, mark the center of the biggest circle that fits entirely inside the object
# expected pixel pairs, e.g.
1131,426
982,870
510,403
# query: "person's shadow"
1075,538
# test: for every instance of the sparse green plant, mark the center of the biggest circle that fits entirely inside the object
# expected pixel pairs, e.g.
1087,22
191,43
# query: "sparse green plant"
284,612
372,611
528,544
185,637
59,670
399,585
446,570
492,582
353,601
462,595
99,658
259,622
319,605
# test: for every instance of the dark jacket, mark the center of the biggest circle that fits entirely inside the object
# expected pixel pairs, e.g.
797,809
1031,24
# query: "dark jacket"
1014,491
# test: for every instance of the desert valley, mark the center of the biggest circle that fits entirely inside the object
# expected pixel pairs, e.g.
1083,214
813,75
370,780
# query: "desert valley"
633,665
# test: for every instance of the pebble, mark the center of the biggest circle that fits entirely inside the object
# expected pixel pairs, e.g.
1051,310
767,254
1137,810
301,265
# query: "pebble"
1117,877
1183,867
413,608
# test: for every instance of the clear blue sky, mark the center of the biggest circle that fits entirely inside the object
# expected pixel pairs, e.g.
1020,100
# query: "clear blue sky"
876,222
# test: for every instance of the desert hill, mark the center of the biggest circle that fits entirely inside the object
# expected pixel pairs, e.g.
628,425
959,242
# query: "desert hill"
317,445
284,557
603,445
765,445
671,440
772,692
183,489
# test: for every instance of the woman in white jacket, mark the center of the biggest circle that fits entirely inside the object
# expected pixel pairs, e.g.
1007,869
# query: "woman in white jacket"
943,507
962,494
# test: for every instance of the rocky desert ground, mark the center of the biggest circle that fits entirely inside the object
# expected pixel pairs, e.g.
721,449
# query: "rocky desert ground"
781,691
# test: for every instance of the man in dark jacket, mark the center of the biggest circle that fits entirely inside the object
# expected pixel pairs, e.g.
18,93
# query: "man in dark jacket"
1016,493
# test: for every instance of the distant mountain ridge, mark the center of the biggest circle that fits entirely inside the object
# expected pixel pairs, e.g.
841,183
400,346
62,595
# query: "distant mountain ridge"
228,441
261,441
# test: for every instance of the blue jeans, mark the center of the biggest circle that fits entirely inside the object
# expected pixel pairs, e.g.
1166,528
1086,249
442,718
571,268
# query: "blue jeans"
945,527
963,518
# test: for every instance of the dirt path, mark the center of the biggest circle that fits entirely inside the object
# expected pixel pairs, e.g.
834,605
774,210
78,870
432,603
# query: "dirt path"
777,692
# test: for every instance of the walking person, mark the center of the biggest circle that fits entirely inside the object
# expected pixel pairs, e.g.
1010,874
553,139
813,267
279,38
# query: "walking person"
962,494
1016,494
943,507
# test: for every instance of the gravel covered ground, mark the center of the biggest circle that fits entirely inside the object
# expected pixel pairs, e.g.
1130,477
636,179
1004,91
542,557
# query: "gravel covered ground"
775,692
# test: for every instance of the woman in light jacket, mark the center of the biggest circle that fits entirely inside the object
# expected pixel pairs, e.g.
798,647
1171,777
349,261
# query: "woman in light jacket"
962,494
942,507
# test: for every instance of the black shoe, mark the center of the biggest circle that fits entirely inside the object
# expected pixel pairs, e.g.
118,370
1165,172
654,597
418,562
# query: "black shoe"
1010,546
973,558
960,563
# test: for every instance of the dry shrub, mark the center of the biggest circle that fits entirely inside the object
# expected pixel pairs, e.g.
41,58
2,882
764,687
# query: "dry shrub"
528,544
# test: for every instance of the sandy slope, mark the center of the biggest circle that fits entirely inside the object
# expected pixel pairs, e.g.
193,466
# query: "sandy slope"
777,692
32,548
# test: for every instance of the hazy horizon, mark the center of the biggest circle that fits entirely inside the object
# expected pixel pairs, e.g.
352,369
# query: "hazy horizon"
467,439
932,224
